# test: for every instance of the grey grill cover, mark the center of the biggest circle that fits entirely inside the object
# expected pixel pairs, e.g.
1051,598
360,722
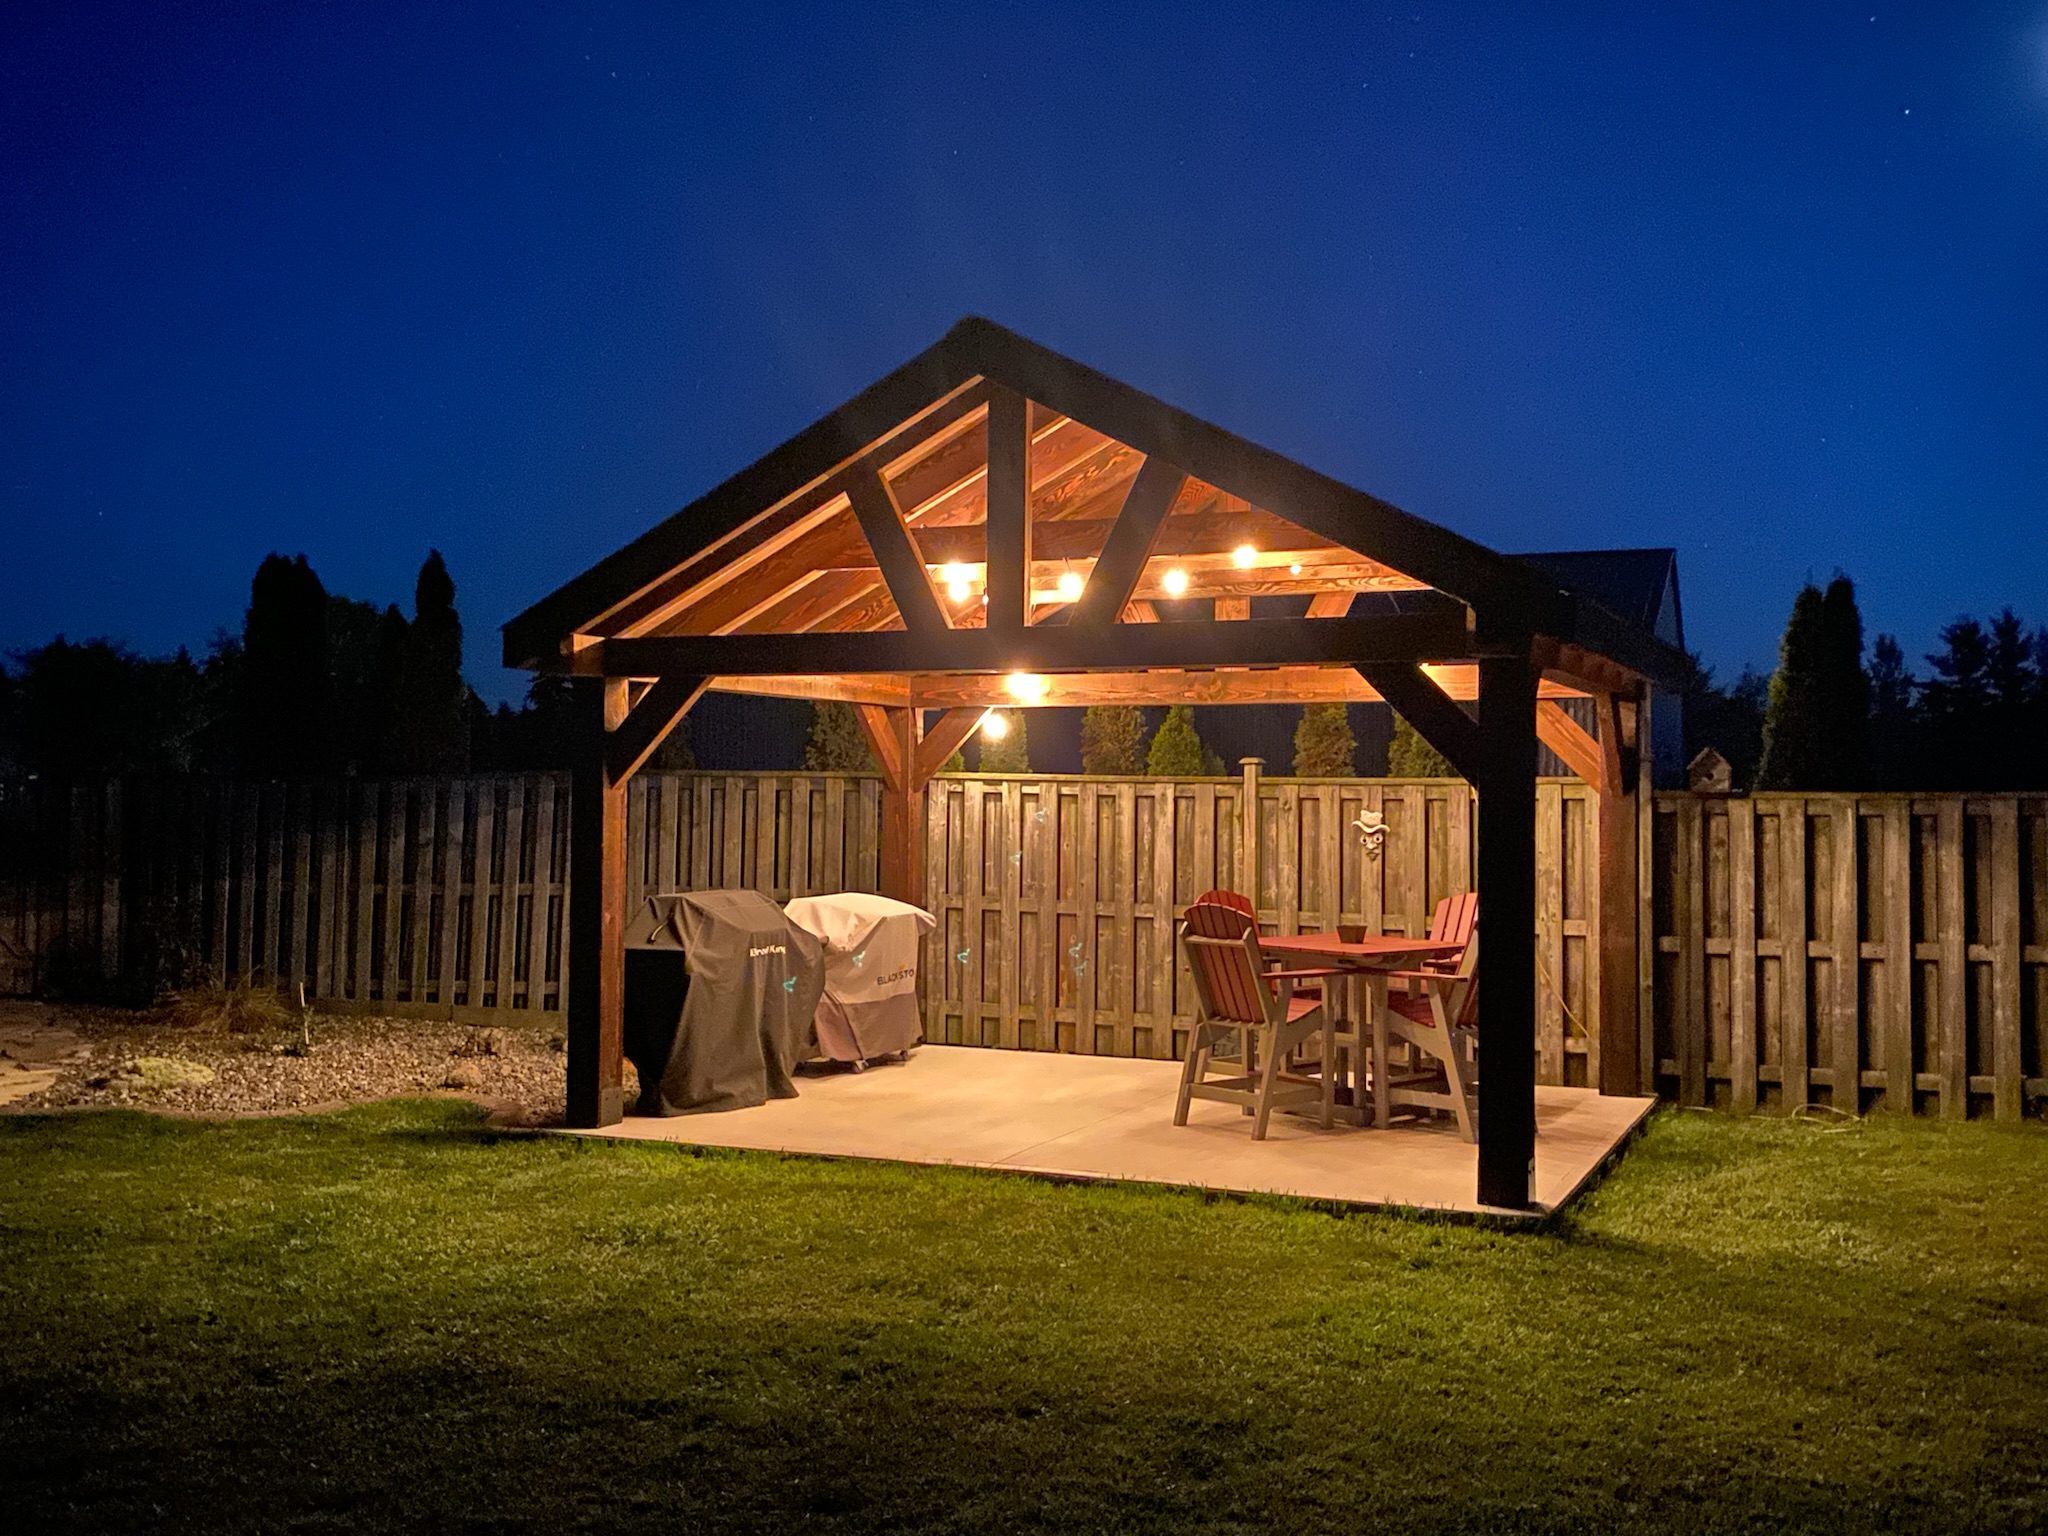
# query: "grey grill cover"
745,1015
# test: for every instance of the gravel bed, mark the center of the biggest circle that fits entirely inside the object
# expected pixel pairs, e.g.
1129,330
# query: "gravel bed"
141,1061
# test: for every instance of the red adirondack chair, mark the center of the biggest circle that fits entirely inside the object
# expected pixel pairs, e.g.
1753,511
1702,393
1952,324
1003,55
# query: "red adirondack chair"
1437,1018
1238,995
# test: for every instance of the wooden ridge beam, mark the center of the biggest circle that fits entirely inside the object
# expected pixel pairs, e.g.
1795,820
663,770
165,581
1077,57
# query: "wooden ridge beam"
1424,705
946,736
1579,751
1114,581
1416,637
628,745
909,582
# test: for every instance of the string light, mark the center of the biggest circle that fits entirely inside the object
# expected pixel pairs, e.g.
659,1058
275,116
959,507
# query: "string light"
994,727
1175,582
1244,557
1294,569
1070,586
959,591
958,580
1025,687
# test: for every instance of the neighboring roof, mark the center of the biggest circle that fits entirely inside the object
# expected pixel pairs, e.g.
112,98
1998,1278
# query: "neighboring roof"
1629,583
693,544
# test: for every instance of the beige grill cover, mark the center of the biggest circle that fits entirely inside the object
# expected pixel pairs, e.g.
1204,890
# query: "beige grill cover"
871,946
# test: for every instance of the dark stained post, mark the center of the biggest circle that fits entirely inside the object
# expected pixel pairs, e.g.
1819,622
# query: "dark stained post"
597,902
1506,782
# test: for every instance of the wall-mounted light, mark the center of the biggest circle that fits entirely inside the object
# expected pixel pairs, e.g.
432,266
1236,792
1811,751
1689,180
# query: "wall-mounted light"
1175,582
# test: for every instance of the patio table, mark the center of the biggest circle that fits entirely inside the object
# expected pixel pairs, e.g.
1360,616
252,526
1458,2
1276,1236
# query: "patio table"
1369,958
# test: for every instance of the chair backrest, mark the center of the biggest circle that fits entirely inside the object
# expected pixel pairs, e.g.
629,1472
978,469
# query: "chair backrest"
1462,1000
1222,944
1237,901
1454,918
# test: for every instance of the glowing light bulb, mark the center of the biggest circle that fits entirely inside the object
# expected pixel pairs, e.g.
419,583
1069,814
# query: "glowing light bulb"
1175,582
1070,585
952,573
1244,557
1294,569
994,727
1025,687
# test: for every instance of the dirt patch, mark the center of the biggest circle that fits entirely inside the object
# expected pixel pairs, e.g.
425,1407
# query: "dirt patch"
56,1057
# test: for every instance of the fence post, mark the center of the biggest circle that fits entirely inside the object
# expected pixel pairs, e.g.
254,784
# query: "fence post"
1248,827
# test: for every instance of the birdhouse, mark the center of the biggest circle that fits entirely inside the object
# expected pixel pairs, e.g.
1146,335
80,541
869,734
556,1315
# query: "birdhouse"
1710,774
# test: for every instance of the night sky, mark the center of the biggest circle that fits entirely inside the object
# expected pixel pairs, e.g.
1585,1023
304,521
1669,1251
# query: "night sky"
1768,283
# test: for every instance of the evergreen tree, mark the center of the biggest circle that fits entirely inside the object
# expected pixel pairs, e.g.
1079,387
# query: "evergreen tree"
1955,705
1113,739
1842,702
1010,752
1410,756
1177,750
430,718
837,743
1324,747
1794,717
1892,728
284,721
361,678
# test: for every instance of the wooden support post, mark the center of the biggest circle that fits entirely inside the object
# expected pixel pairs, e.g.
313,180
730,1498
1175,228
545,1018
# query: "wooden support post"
894,734
1248,827
1506,781
596,988
1616,908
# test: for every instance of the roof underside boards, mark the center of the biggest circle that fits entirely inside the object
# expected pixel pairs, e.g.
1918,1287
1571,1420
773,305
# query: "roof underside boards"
1134,537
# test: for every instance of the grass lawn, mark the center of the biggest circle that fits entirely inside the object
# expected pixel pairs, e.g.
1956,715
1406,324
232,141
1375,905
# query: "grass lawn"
394,1318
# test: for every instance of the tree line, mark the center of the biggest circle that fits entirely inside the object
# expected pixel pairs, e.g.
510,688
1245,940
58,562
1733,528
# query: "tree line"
314,684
1828,720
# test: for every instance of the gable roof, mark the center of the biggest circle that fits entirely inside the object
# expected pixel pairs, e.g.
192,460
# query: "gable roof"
1505,593
1630,583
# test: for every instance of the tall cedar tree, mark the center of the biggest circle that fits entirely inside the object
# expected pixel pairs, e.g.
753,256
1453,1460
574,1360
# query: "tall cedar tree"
1842,706
1113,739
1011,752
430,722
1410,756
837,744
283,711
1177,750
1324,746
1794,717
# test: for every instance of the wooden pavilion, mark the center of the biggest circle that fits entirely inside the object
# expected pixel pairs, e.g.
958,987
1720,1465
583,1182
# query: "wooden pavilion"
996,524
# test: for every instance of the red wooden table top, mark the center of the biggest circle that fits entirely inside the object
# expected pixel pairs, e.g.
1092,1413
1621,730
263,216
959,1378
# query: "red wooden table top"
1373,947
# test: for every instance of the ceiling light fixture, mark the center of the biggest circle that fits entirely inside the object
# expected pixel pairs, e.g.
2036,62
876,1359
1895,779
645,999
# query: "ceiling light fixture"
993,726
1070,585
1294,569
1244,557
1175,582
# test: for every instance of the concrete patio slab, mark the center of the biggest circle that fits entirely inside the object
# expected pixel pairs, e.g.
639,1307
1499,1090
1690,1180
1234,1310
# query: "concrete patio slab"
1093,1117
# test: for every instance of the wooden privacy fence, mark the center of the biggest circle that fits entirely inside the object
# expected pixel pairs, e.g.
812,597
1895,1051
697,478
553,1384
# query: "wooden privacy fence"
1864,952
401,895
1056,897
1857,951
